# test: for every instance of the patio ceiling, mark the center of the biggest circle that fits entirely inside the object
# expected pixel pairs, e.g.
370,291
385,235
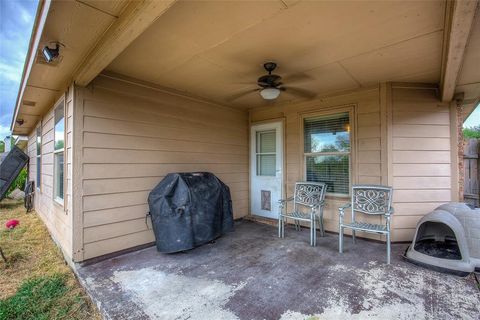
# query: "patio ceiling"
469,77
216,49
66,22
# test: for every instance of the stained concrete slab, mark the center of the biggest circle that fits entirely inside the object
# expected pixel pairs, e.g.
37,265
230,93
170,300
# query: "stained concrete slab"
252,274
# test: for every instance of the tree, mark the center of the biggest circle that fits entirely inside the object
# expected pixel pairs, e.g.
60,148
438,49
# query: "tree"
472,132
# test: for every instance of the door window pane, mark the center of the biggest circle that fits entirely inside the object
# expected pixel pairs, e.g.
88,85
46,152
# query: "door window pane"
266,141
266,164
266,153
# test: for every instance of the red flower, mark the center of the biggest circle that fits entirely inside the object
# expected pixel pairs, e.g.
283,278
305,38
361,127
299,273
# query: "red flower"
12,223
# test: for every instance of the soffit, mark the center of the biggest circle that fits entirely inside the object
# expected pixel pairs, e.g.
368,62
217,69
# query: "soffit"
469,77
216,49
77,25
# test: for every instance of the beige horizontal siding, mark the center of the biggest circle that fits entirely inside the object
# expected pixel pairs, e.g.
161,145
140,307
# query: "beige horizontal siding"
421,159
128,240
421,131
57,217
422,144
366,146
126,170
132,137
419,163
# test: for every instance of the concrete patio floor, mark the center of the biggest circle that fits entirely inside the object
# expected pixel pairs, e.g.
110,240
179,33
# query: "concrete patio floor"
252,274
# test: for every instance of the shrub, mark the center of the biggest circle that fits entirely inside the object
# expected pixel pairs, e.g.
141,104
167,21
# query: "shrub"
472,132
19,182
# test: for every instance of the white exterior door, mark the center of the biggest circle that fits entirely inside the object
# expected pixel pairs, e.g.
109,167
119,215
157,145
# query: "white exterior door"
266,169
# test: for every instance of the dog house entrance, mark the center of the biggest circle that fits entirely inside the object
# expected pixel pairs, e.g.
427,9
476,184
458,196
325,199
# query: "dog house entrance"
437,240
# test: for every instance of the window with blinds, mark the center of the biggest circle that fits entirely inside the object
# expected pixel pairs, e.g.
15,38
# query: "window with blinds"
327,151
39,155
266,153
58,152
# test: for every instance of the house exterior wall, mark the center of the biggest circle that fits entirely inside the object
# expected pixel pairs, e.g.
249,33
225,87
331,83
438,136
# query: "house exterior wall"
57,217
367,162
128,138
122,138
401,137
421,171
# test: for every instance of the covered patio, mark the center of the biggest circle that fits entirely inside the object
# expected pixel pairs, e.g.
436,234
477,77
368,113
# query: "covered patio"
364,93
252,274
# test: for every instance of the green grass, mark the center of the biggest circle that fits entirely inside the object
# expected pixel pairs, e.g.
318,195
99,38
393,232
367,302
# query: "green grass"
40,298
36,283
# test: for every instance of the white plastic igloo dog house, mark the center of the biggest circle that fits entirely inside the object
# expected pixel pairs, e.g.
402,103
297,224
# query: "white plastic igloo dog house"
448,239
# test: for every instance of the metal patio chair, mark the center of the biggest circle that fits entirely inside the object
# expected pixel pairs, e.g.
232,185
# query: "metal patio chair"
369,200
309,196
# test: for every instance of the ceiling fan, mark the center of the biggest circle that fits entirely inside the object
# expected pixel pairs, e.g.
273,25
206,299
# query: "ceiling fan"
270,86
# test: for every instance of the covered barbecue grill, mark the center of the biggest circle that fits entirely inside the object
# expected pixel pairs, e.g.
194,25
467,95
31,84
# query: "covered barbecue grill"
188,210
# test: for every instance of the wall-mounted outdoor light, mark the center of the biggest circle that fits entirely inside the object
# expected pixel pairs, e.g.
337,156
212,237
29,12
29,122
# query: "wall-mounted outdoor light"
51,54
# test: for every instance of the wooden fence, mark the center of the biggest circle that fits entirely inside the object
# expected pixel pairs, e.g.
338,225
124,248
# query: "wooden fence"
471,173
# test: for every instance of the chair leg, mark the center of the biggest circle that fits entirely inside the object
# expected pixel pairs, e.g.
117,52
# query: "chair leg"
311,233
340,240
322,229
388,248
314,232
280,218
297,225
284,220
353,236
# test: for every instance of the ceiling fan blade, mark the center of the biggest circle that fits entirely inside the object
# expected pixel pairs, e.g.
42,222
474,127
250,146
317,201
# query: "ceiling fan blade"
241,94
297,77
299,92
243,82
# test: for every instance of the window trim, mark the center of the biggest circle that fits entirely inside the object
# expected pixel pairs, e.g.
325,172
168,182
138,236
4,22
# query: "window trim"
58,200
350,109
38,173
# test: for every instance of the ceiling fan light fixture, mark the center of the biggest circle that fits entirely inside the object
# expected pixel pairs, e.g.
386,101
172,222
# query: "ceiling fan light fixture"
270,93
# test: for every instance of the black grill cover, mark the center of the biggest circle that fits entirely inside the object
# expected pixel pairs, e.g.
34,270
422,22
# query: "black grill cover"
188,210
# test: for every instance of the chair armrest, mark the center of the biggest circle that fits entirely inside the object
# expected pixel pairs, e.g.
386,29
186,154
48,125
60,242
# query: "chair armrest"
317,205
282,201
341,210
390,212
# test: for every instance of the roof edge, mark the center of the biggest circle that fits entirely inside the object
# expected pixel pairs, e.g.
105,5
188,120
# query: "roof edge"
37,30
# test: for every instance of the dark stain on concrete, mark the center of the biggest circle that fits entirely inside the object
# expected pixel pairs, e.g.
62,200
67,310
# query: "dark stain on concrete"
280,274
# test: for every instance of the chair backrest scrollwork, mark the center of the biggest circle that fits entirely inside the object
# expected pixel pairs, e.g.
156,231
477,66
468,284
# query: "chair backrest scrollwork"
309,193
371,199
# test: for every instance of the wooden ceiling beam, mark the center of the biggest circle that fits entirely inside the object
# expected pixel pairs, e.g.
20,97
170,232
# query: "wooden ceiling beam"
132,22
459,22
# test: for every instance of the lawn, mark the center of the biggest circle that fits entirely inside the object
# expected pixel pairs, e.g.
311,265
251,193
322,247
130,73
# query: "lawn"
36,283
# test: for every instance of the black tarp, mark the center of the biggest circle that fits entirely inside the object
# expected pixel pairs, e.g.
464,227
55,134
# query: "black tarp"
188,210
10,167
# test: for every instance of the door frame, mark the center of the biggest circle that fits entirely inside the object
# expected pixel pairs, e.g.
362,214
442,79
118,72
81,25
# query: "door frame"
251,159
